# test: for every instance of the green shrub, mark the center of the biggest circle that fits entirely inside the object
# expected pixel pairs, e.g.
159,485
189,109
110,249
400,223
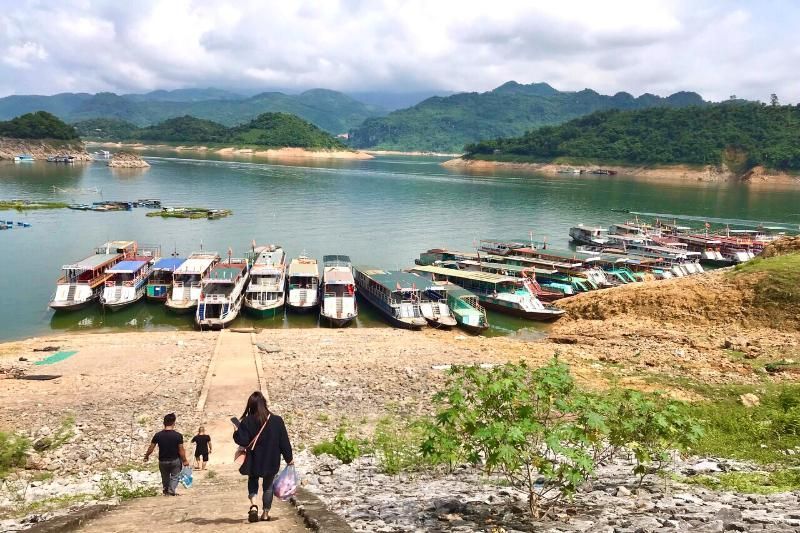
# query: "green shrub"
13,452
398,445
342,447
124,489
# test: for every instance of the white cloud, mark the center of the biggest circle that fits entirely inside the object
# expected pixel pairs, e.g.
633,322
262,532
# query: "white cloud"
716,47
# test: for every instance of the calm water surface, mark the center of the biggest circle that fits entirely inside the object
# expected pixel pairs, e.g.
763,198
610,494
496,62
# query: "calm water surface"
381,212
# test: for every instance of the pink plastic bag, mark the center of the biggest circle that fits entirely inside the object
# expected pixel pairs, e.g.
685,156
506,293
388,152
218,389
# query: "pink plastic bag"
285,485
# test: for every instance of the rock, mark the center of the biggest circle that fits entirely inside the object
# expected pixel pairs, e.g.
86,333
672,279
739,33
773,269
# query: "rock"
703,467
623,492
127,160
750,400
728,514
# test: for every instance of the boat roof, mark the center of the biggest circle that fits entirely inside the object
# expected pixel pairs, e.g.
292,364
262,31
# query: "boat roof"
169,263
484,277
92,262
392,278
510,268
336,260
338,276
270,257
226,271
127,267
589,228
196,264
453,290
505,242
573,263
117,245
304,266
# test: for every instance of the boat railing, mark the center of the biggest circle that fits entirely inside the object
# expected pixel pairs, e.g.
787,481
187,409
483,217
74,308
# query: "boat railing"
215,298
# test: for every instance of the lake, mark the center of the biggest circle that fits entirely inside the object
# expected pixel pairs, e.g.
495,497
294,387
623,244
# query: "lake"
381,212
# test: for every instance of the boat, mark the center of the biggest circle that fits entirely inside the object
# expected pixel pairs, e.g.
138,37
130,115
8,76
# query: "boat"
24,158
467,311
433,305
160,283
127,283
83,282
338,304
266,292
222,294
498,247
303,290
506,294
187,281
393,293
592,235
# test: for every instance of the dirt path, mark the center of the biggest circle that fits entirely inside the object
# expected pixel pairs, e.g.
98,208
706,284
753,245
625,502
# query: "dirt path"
219,503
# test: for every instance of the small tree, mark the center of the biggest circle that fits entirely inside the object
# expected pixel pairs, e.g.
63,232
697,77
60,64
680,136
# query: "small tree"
773,100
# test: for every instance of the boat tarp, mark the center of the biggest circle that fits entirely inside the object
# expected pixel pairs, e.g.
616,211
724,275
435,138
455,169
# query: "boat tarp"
392,278
338,276
196,265
226,272
169,263
485,277
92,262
336,260
305,268
127,267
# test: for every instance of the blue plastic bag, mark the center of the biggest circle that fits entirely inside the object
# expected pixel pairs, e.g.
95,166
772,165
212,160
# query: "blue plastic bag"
285,485
185,477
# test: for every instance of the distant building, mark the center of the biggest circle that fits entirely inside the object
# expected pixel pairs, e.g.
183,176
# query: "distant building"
343,136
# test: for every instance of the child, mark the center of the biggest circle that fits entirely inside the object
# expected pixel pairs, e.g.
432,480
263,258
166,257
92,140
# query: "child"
202,447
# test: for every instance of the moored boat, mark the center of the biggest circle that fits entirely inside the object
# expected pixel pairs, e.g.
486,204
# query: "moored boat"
303,281
222,294
393,293
338,304
467,311
592,235
159,285
187,281
127,282
434,305
266,291
83,281
501,293
24,158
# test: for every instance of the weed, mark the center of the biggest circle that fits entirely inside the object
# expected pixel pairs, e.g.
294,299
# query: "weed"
124,489
783,480
13,452
398,445
323,417
211,474
342,447
42,476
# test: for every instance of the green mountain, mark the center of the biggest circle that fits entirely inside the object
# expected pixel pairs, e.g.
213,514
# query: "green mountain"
38,125
741,135
330,110
274,130
446,124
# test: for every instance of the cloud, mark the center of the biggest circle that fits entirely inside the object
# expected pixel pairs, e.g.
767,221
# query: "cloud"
716,48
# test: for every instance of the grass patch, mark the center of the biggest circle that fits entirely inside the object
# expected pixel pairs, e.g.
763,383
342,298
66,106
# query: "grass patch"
13,450
211,474
784,480
25,205
323,417
342,447
397,444
49,504
124,489
780,283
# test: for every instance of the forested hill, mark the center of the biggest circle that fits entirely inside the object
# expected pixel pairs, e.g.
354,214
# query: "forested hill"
446,124
274,130
332,111
740,135
39,125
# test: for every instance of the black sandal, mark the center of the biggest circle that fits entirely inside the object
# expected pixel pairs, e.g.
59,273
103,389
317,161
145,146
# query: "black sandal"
252,514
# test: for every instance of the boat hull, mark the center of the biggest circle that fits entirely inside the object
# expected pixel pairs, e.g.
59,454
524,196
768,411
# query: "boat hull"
538,316
391,319
472,330
442,323
337,322
67,306
302,308
116,306
181,307
263,312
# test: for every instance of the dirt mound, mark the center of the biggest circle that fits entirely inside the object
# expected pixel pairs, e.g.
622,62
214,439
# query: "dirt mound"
783,246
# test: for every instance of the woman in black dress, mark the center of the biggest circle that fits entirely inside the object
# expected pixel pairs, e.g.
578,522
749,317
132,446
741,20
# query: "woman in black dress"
264,460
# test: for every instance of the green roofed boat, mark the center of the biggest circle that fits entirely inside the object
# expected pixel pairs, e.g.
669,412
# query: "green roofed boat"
394,293
468,313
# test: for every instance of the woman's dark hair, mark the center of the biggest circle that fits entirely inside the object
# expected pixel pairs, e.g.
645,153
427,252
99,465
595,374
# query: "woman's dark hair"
256,407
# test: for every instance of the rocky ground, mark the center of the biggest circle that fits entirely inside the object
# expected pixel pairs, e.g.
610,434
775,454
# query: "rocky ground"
41,150
127,160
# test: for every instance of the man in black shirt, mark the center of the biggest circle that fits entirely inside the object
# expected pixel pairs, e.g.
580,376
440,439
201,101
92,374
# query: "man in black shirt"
202,447
170,454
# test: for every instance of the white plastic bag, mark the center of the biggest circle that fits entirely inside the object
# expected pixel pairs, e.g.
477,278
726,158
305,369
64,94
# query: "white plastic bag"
285,485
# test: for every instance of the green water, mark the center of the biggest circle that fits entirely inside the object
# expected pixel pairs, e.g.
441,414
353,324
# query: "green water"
381,212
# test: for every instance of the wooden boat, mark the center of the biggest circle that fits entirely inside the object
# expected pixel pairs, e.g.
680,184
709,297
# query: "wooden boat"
222,294
393,293
338,304
303,284
83,282
508,295
127,283
462,307
266,292
187,281
593,235
159,285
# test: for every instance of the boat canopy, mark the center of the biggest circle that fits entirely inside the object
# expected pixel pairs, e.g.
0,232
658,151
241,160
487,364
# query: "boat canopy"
304,267
336,260
508,267
92,262
127,267
117,246
227,271
338,276
197,264
168,264
483,277
395,280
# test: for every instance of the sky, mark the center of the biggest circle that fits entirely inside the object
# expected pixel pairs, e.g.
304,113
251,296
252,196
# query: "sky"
717,48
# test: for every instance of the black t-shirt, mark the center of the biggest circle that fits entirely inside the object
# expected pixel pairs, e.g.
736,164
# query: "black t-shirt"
202,443
168,441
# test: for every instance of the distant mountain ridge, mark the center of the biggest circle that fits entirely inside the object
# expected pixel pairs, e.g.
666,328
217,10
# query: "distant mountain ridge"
332,111
447,124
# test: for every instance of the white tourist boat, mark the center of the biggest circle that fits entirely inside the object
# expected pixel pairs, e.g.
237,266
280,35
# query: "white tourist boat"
338,291
591,235
266,291
83,282
303,284
187,281
222,294
128,282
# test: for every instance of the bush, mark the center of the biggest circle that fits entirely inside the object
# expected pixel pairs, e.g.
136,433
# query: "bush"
343,448
398,445
13,452
543,434
124,489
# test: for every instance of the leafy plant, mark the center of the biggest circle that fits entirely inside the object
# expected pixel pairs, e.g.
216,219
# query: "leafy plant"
397,445
342,447
124,489
13,452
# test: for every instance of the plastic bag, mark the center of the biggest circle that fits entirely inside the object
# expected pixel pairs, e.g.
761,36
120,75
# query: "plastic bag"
285,485
185,477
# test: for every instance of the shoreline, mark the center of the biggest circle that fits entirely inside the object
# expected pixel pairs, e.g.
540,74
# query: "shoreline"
679,173
412,153
269,153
